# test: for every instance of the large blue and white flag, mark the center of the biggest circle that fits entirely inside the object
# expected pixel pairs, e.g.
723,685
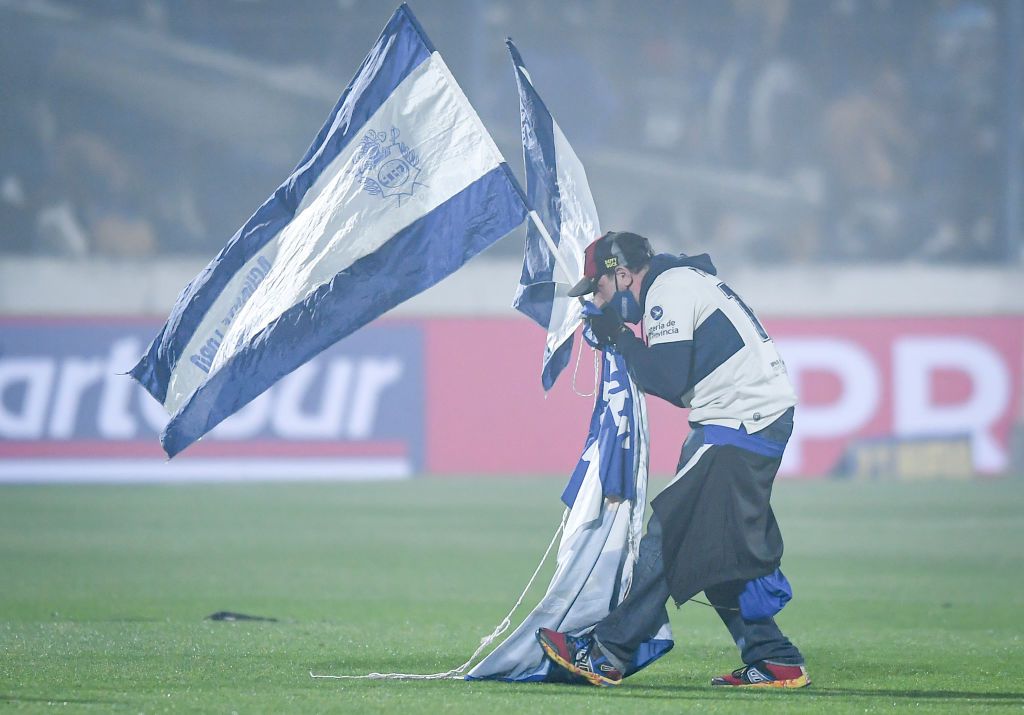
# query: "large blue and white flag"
400,188
606,497
564,223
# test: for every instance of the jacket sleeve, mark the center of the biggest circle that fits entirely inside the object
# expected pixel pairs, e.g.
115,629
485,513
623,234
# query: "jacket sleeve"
663,369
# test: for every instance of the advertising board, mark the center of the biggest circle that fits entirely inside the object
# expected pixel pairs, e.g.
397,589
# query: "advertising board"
461,396
68,412
857,378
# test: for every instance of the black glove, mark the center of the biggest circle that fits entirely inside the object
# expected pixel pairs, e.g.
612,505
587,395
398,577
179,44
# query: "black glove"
607,326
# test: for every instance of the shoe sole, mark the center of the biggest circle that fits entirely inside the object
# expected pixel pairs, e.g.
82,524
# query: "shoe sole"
592,678
802,682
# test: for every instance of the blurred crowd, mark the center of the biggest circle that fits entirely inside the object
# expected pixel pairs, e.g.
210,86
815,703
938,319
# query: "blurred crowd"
887,118
773,131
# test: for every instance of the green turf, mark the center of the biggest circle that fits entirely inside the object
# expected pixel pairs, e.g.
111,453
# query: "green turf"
907,597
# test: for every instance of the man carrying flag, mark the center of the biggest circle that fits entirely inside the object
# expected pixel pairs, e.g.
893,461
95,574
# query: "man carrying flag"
713,528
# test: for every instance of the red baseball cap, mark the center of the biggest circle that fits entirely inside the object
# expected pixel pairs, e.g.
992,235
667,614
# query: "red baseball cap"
605,254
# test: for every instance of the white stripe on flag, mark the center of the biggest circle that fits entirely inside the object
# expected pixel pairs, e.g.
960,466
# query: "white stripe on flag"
338,222
579,226
579,222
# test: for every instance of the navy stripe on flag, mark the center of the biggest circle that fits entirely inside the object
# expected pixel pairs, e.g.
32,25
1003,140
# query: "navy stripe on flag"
556,363
420,255
542,195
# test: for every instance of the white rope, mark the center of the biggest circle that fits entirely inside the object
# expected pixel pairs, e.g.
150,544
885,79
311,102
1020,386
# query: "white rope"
457,673
597,370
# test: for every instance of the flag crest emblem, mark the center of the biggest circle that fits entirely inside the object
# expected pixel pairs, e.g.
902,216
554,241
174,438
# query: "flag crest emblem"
387,169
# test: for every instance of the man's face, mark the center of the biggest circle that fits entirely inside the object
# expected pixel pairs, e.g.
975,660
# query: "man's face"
605,289
609,284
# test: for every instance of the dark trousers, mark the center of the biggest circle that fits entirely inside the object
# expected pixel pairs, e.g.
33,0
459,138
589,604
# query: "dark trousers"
643,611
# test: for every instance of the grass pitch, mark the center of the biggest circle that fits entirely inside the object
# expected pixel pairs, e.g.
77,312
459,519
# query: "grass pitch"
907,597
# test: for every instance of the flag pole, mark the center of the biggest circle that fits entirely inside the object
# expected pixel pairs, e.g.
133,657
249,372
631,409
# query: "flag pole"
551,246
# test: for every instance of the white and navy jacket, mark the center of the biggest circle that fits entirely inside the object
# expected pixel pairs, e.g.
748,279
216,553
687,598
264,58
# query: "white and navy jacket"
705,349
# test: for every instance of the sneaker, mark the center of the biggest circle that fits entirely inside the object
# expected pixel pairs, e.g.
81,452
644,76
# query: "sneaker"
766,675
579,656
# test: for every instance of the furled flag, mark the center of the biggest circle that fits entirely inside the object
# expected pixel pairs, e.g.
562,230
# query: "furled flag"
564,223
400,188
601,537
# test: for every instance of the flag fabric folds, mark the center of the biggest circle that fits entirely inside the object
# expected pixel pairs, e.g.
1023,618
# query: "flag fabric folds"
564,222
402,185
601,537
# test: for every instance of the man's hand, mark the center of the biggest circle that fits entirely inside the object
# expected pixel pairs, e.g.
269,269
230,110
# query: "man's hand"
606,326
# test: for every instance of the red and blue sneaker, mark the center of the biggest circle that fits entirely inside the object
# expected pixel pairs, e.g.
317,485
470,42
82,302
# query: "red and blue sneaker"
580,656
766,675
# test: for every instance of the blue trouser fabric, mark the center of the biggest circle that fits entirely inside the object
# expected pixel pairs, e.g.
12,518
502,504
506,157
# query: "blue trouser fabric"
641,613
